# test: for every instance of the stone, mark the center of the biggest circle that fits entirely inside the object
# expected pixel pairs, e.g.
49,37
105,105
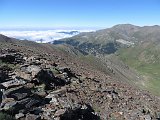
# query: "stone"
3,74
46,77
32,117
67,72
33,69
80,113
8,58
28,72
31,103
158,115
53,99
59,112
19,115
9,105
22,106
1,96
24,75
19,93
147,117
36,111
12,58
12,83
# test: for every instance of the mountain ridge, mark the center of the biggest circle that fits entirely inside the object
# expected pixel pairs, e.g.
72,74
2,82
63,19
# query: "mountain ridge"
109,37
54,82
136,46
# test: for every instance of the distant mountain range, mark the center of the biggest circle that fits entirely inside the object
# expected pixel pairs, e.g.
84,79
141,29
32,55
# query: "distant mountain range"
111,39
138,47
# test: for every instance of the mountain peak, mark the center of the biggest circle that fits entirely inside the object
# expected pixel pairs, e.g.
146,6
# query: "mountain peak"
125,26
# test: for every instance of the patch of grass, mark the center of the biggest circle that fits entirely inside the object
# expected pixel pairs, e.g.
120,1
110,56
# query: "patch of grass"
145,60
95,62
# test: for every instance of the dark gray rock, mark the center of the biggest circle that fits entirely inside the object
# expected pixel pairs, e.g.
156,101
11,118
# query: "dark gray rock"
4,70
12,58
13,83
85,112
26,104
67,72
32,117
19,93
46,77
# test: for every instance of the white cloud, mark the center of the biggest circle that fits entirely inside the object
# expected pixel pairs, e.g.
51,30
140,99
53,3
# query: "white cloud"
46,35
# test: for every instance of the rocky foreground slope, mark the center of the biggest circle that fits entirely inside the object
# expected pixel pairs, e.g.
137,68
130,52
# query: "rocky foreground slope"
39,81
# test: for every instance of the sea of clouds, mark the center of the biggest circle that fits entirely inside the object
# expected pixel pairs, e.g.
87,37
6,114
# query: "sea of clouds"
40,35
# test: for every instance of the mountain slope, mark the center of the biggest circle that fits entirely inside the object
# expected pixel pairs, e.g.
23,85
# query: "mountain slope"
109,40
145,59
43,81
136,46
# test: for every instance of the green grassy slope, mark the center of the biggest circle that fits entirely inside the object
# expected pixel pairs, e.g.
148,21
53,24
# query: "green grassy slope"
145,58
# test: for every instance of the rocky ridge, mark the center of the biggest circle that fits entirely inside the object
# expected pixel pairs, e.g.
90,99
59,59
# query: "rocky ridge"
33,87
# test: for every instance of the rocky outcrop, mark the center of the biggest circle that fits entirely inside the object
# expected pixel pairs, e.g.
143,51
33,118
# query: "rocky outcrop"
25,91
81,112
12,58
39,88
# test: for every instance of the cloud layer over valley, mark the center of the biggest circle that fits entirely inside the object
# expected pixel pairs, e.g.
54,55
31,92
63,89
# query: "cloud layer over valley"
41,35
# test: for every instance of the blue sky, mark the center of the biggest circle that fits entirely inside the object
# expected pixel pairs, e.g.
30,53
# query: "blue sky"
78,13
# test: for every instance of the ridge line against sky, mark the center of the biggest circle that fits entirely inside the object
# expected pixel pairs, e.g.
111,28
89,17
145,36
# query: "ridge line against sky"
78,13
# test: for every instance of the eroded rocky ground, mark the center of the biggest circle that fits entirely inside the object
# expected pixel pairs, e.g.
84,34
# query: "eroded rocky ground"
34,87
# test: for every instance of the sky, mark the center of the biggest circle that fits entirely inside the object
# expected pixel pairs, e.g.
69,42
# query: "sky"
77,13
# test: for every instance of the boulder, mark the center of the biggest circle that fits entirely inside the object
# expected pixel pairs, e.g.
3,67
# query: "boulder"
32,102
59,112
12,83
147,117
36,111
28,72
1,96
7,58
33,70
19,93
19,115
32,117
67,72
12,58
24,75
3,74
23,105
46,77
8,104
84,112
53,99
